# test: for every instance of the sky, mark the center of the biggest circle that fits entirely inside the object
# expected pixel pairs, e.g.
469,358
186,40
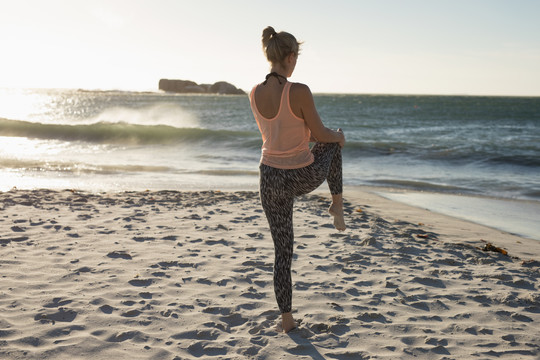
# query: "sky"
446,47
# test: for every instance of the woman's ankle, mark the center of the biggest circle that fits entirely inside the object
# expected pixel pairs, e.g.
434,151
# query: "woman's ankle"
337,199
287,322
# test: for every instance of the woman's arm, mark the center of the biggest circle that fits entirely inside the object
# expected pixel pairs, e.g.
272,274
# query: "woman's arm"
303,106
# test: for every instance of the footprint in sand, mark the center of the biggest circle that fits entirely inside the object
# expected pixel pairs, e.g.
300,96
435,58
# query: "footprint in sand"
123,336
4,242
107,309
146,295
119,255
141,282
196,334
252,293
268,325
429,282
62,315
216,242
57,302
372,317
234,320
143,238
206,348
131,313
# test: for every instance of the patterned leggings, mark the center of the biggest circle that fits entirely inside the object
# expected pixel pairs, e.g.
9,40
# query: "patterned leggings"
278,188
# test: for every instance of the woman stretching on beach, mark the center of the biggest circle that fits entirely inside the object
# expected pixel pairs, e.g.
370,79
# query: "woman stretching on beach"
286,115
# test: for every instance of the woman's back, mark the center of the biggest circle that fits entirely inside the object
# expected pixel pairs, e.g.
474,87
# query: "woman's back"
285,135
268,98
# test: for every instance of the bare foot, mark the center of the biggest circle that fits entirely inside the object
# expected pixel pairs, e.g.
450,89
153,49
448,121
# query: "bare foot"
336,210
287,322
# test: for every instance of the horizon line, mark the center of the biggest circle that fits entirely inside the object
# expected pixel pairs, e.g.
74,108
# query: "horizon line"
314,92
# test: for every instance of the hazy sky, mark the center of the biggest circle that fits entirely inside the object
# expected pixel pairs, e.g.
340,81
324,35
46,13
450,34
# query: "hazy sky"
477,47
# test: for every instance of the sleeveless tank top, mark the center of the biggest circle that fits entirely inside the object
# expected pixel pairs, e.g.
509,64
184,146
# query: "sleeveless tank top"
285,136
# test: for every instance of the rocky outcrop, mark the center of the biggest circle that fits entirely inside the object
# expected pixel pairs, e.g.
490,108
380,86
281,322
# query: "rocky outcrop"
191,87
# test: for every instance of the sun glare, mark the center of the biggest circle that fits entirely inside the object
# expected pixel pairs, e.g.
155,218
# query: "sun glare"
19,104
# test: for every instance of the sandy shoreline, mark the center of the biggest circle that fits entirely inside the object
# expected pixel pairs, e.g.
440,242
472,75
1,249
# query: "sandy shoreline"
514,216
187,275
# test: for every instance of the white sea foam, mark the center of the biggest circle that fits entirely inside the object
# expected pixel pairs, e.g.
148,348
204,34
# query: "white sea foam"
158,114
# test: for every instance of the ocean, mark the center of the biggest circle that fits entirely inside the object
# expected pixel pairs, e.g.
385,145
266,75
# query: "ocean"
115,140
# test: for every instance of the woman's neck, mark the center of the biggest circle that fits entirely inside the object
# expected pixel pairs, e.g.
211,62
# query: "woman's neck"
279,78
280,71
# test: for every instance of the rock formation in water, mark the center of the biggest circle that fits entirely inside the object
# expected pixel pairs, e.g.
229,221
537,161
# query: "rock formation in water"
191,87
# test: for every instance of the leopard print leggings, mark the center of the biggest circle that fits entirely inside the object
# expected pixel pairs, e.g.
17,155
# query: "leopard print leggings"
278,188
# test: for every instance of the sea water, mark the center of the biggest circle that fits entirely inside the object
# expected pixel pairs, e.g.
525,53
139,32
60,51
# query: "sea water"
115,140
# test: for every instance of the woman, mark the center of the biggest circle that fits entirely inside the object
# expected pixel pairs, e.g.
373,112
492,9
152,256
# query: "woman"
286,115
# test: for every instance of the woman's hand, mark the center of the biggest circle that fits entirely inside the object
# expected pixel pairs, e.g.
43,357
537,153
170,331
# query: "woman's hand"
341,142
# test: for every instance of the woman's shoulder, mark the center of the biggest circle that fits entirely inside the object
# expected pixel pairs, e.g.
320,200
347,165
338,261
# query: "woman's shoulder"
300,91
254,88
299,87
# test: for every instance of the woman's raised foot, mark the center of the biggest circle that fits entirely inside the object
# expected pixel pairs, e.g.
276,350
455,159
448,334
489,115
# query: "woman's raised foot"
337,212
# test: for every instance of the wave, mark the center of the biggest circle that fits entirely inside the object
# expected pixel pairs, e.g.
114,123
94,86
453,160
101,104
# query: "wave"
77,167
226,172
533,194
375,148
67,167
119,133
519,159
420,185
495,154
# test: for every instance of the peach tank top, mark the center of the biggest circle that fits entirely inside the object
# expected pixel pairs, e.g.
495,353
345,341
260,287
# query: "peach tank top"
285,137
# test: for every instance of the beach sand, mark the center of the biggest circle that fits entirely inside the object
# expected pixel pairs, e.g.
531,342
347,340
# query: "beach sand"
188,275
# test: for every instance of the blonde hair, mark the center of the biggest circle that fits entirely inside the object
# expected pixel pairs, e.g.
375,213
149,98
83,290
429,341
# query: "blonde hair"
277,46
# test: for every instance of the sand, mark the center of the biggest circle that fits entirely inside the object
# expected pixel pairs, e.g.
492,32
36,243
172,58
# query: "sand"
188,275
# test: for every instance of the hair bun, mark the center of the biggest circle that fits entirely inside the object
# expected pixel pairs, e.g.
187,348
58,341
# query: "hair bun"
282,46
267,34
